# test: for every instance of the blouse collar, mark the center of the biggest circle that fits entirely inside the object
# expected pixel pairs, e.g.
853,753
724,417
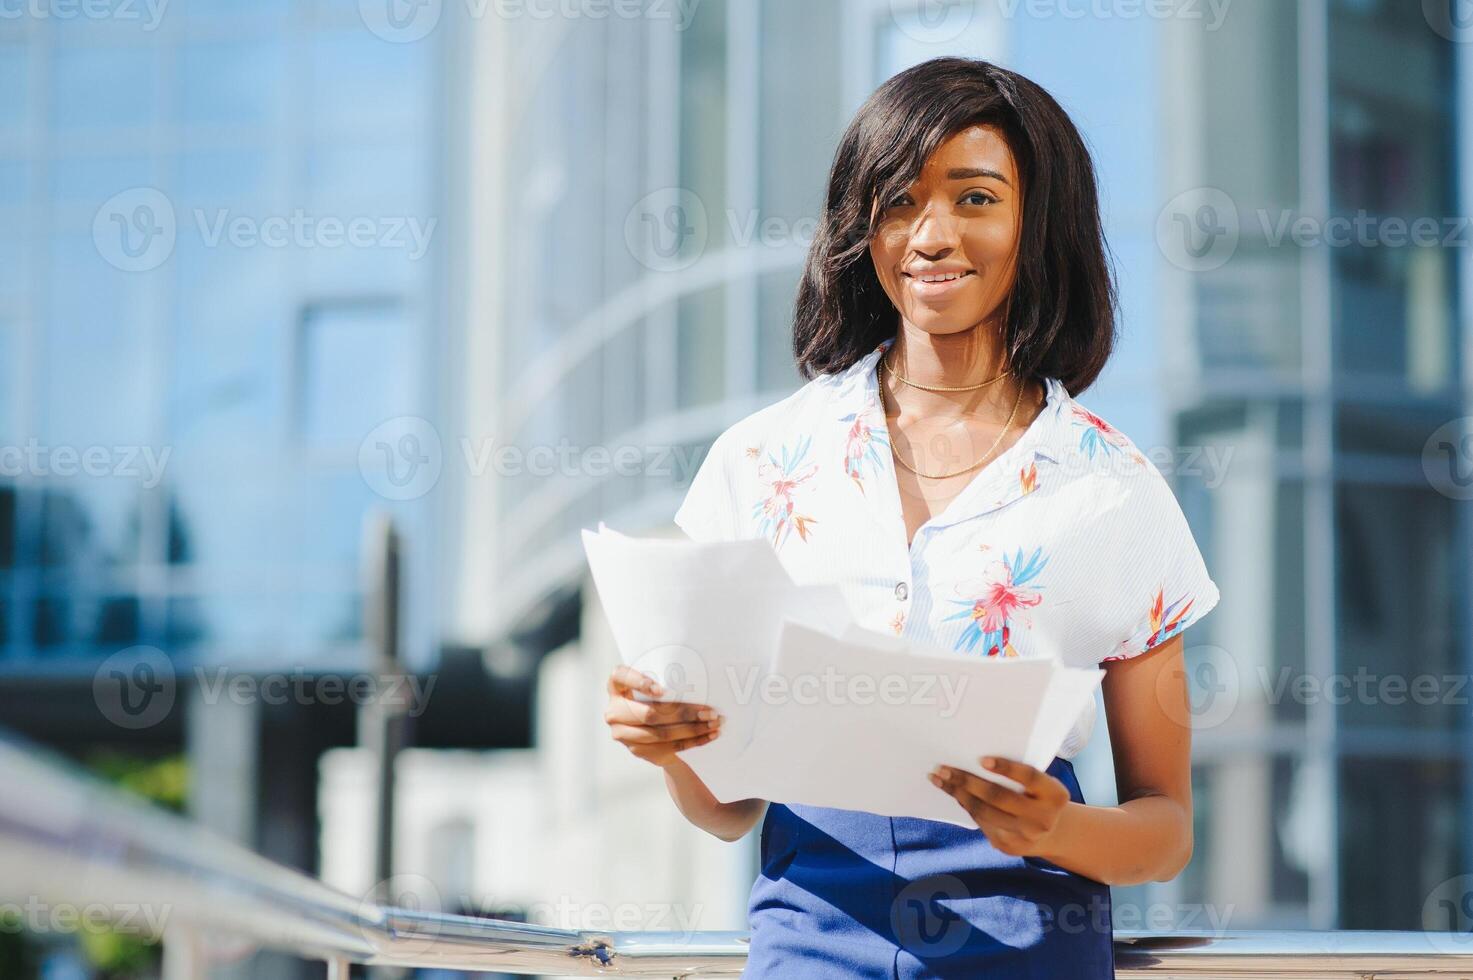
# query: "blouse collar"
1012,474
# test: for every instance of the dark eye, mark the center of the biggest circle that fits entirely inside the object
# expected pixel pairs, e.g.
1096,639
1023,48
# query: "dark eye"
979,197
897,200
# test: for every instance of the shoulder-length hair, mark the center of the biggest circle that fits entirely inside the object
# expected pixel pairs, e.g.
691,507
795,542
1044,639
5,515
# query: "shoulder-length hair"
1059,318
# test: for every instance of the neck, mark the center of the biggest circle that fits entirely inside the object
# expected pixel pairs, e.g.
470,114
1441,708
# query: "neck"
965,358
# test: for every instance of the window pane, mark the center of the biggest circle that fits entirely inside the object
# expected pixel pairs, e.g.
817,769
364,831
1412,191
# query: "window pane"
102,87
357,370
95,350
700,336
15,83
1397,611
1260,830
234,83
1391,160
1385,802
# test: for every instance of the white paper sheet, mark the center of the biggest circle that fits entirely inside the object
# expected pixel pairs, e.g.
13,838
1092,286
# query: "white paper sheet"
817,709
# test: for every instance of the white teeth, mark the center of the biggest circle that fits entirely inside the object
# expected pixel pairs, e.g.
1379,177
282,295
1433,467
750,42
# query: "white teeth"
946,278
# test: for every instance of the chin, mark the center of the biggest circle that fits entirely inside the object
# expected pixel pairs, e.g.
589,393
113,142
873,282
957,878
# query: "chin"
939,323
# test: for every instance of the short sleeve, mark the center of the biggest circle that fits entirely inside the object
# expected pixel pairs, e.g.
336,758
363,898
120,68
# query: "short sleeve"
707,513
1161,583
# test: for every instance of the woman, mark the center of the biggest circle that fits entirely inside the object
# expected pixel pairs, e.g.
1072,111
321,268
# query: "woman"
937,467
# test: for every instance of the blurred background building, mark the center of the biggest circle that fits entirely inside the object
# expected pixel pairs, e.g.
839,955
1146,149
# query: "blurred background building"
501,271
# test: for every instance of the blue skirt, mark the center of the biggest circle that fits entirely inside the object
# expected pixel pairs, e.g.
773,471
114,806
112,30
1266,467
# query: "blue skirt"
850,894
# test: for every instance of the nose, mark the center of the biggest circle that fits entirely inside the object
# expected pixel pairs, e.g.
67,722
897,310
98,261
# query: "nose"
934,234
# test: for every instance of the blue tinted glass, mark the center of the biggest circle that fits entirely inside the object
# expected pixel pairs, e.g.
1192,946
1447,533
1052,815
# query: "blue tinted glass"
102,87
92,180
226,389
238,181
358,371
9,391
225,271
233,9
331,510
352,179
15,177
88,523
236,626
361,83
14,82
233,82
320,619
232,518
386,266
95,380
15,258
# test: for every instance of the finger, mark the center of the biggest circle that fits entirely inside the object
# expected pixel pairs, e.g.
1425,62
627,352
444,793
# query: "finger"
680,746
988,816
977,809
1034,780
633,712
654,751
629,679
658,734
1001,797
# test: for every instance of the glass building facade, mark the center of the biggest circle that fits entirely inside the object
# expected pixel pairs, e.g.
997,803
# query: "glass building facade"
1292,385
211,293
1326,346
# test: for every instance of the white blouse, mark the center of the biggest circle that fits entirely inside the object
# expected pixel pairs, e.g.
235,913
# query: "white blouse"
1069,544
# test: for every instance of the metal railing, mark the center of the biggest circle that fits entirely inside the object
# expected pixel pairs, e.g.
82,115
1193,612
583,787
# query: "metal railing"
69,840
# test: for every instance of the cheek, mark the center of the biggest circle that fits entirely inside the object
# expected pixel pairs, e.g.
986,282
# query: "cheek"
993,242
886,253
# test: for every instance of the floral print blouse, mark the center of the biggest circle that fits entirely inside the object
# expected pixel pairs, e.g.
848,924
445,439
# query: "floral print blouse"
1068,544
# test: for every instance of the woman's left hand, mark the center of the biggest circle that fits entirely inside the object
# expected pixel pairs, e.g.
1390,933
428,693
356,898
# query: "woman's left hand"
1017,823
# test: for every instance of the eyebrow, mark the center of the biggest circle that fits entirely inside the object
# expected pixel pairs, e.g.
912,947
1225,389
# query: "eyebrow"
967,173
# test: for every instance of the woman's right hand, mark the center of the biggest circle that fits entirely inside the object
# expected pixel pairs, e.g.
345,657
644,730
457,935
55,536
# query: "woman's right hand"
655,730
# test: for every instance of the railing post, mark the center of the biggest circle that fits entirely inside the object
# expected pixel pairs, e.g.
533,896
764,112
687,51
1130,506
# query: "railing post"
184,955
381,721
338,969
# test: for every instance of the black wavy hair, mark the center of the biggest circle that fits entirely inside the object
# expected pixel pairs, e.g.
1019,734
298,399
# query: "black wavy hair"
1060,315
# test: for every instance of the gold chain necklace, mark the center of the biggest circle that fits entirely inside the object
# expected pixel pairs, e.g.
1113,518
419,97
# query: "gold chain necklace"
880,379
915,384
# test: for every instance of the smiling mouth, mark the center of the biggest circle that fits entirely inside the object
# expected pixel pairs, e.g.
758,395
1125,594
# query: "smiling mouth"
938,282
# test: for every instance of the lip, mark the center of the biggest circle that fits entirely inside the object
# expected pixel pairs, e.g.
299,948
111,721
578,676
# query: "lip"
934,289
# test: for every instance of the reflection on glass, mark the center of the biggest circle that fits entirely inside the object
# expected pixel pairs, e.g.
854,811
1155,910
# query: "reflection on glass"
357,372
700,336
1391,170
1397,613
15,83
96,87
1400,840
235,83
1259,830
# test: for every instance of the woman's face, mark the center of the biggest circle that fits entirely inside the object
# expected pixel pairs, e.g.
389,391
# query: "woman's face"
959,220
